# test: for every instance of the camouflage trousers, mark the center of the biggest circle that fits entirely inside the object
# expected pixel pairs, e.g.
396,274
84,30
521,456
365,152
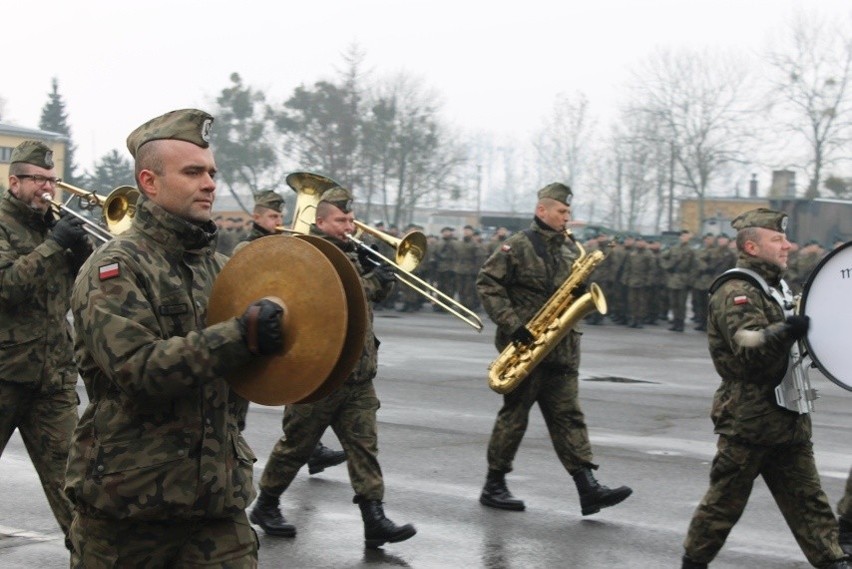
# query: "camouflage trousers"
466,285
228,543
557,396
446,283
46,422
637,304
792,478
844,506
700,304
351,413
677,303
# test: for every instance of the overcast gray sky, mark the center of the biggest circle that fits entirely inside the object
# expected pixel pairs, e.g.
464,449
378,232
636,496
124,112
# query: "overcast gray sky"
497,65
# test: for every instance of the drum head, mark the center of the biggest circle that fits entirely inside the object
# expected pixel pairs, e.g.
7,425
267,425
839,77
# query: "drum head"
315,330
827,300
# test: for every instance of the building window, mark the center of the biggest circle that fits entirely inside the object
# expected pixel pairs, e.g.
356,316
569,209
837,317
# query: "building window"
6,154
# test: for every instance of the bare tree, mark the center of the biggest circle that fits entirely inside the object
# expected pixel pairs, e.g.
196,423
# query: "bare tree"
809,92
699,104
564,142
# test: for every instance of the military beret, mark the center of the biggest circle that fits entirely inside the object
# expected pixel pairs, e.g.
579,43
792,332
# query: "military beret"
468,227
685,231
190,125
761,217
269,199
339,197
556,191
447,228
33,152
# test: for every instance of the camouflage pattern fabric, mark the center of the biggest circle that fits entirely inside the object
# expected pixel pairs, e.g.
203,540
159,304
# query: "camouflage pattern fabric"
557,396
844,506
757,437
678,262
513,284
159,439
227,543
350,411
445,257
37,373
467,266
637,274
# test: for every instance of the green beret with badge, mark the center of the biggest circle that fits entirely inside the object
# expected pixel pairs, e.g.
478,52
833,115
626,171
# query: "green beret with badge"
33,152
761,217
269,199
189,125
339,197
556,191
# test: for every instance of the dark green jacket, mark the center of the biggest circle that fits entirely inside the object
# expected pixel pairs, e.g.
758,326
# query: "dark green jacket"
159,439
36,276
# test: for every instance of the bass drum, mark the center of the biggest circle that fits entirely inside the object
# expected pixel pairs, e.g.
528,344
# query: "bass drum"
827,300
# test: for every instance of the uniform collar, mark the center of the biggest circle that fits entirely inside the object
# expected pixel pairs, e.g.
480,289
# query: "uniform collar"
171,231
770,272
32,217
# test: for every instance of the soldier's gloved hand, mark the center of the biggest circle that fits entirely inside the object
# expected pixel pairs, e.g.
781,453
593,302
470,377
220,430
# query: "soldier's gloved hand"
385,274
68,231
365,259
580,290
797,326
522,336
261,327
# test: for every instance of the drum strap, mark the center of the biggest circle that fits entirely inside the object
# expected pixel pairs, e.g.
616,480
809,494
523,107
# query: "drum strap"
794,392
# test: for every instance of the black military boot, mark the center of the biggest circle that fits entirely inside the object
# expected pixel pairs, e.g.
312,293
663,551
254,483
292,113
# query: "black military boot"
845,527
323,457
690,564
495,494
593,496
378,530
267,515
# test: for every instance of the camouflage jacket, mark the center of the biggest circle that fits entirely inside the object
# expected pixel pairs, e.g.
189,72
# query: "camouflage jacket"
639,267
468,258
744,405
159,439
446,255
256,233
679,263
515,282
368,365
704,273
36,276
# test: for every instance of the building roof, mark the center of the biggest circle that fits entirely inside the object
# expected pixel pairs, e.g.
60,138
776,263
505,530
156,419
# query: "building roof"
14,130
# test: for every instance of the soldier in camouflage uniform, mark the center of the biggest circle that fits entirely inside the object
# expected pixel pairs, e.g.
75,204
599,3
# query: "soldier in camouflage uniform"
350,411
758,437
619,305
266,219
844,513
678,262
658,300
702,279
514,283
636,276
468,261
159,472
39,259
445,257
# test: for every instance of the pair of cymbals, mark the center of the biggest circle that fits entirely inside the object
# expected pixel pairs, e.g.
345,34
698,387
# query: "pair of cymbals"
326,316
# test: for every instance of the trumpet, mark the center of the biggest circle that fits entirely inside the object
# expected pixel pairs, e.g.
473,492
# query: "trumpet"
119,207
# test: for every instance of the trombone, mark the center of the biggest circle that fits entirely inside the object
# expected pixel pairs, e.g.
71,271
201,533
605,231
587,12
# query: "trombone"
410,250
119,207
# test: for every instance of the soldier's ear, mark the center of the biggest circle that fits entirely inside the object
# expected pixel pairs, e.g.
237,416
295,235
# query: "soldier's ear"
147,183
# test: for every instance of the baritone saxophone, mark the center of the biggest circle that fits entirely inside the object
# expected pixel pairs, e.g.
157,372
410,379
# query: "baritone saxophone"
550,324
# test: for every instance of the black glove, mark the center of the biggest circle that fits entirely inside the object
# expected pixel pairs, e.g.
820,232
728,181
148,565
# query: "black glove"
797,326
365,259
385,274
522,336
69,231
580,290
261,327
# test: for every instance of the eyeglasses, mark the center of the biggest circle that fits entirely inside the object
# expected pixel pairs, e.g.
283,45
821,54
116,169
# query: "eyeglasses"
39,180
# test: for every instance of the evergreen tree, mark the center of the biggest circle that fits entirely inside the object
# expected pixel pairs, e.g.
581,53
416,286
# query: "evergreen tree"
55,119
111,171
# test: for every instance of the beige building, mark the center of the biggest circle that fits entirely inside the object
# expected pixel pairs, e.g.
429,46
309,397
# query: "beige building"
718,213
11,136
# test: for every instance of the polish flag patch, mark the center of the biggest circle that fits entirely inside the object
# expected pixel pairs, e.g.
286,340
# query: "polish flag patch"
742,299
108,271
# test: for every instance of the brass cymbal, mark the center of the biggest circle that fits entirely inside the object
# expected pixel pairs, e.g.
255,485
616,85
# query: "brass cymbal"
356,329
301,275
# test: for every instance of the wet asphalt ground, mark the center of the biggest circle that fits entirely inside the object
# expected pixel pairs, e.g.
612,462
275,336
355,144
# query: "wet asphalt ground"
646,394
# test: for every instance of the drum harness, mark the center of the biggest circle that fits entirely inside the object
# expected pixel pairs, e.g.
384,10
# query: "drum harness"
794,392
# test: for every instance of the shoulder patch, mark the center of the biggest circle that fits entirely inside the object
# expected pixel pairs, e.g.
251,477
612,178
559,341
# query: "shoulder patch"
109,271
741,299
505,247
